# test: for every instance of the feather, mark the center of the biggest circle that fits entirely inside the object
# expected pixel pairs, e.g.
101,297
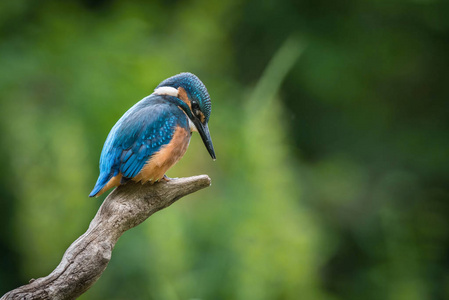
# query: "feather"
139,134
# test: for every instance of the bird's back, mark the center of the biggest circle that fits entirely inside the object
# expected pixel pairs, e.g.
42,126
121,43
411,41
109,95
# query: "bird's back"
146,128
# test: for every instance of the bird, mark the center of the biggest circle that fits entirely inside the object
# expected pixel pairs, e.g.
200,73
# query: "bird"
154,134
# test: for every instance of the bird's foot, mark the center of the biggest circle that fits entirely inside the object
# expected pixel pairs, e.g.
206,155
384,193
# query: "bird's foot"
165,178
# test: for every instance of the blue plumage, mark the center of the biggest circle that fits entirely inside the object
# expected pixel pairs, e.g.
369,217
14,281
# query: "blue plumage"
154,134
140,132
194,87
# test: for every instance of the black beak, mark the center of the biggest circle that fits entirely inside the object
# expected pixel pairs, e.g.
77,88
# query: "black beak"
205,136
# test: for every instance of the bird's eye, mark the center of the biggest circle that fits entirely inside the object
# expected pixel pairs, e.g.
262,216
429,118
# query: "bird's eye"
195,105
195,108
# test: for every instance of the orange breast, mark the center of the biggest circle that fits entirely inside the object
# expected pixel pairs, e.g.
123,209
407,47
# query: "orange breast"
165,158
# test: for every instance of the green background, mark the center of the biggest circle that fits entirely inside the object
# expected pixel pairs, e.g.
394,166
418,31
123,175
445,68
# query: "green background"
329,120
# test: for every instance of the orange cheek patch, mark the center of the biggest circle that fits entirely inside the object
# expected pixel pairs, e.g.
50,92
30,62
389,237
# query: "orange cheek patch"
182,94
165,158
202,117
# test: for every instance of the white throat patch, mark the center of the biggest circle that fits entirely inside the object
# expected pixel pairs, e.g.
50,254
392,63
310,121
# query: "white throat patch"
192,126
166,90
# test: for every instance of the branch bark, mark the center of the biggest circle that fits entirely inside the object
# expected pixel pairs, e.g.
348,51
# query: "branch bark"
86,259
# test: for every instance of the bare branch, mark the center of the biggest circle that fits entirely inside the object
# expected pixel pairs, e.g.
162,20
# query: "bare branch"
86,259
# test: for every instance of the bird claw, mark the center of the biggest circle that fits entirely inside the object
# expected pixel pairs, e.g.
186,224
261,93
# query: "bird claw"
165,178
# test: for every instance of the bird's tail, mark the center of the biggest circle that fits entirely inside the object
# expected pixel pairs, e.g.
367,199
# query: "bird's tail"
101,182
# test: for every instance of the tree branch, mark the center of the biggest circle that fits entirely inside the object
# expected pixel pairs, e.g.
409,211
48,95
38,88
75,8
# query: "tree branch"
86,259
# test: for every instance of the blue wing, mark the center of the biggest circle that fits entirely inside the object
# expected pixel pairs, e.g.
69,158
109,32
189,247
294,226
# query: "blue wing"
141,132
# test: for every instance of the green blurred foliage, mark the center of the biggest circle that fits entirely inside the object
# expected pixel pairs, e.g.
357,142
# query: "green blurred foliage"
330,121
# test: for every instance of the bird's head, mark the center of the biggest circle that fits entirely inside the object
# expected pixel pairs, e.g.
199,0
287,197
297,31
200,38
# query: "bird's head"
195,102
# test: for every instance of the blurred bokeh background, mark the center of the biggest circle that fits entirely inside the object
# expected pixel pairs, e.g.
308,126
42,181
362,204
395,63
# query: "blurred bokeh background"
330,121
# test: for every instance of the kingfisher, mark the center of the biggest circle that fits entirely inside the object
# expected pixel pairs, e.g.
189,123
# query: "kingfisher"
154,134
